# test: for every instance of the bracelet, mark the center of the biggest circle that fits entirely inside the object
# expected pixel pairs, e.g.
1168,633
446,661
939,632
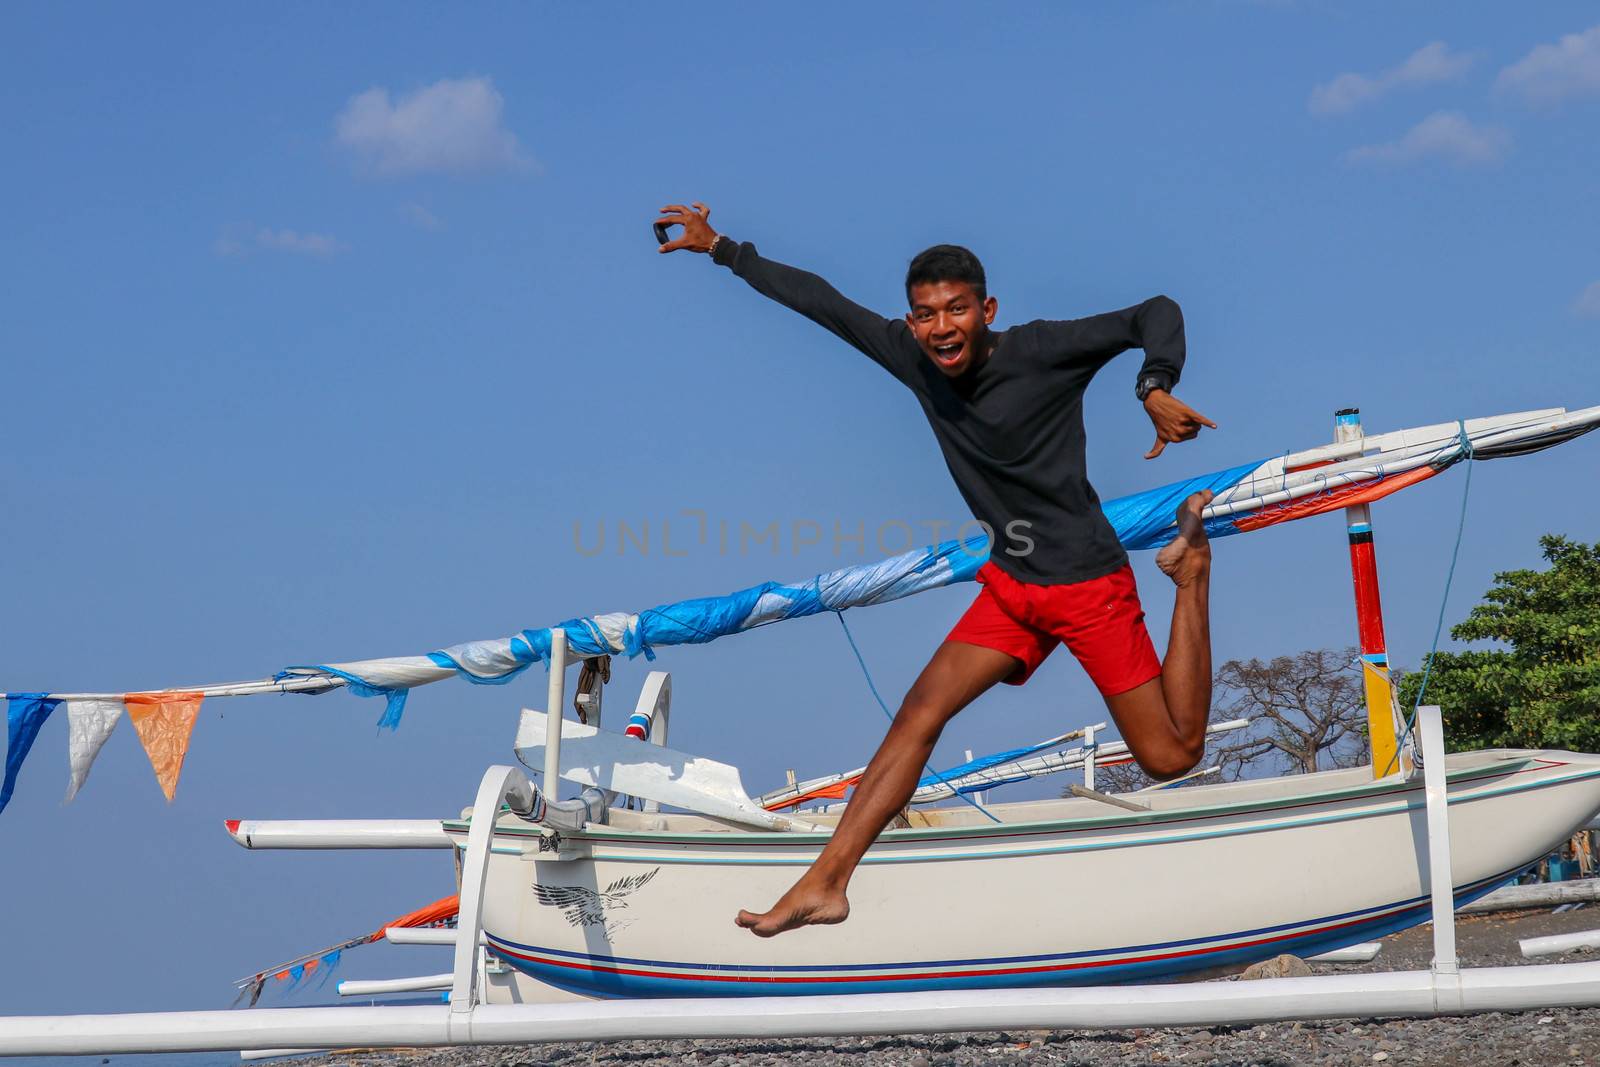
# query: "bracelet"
715,241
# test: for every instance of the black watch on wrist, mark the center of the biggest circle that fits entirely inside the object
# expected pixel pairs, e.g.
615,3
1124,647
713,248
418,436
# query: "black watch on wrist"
1149,383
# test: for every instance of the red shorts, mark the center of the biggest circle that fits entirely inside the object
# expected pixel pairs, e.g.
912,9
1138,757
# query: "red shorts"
1100,620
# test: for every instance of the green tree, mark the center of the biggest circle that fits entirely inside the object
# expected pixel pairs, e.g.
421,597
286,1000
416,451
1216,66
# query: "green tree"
1541,688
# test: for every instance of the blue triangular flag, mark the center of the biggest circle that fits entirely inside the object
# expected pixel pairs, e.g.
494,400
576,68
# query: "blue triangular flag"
25,713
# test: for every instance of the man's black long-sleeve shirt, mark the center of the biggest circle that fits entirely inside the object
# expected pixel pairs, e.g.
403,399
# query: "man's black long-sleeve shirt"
1011,428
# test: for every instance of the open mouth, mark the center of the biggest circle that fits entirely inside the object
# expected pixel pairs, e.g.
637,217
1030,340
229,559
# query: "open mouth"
948,354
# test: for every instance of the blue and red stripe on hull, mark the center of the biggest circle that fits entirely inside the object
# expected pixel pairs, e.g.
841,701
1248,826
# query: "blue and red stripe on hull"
616,976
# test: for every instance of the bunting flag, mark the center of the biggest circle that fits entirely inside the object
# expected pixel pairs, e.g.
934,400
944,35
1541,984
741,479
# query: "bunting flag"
89,723
329,962
25,713
164,722
443,910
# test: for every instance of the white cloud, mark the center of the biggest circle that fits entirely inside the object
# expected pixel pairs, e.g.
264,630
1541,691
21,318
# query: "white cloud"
452,126
242,239
1588,302
1552,72
1446,135
311,244
420,217
1429,64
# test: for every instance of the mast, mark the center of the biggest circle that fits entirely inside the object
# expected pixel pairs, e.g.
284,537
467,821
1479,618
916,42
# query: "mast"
1369,619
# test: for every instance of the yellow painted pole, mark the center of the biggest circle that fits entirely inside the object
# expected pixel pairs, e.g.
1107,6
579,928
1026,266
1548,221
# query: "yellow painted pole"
1379,687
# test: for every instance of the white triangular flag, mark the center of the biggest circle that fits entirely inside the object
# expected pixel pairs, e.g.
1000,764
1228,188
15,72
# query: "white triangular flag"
89,723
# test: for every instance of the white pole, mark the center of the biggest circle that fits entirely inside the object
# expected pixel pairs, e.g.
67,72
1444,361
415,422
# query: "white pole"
554,701
277,1053
357,987
1405,994
338,833
1540,895
1362,953
1446,968
1558,943
1088,754
424,935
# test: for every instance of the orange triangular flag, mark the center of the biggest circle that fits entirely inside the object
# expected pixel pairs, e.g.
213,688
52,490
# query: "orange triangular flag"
164,722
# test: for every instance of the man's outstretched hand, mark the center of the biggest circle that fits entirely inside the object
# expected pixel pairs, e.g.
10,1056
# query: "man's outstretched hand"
697,236
1174,421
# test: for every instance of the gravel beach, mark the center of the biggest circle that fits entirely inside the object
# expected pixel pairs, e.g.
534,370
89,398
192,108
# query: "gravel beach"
1543,1038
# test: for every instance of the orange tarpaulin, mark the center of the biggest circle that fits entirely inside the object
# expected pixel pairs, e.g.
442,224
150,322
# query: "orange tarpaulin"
164,722
438,911
833,791
1343,497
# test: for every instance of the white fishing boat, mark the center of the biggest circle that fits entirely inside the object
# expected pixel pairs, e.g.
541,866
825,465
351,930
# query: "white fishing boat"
1056,892
628,889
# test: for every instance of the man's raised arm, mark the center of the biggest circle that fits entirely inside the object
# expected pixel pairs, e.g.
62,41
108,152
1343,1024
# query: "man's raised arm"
1156,326
800,290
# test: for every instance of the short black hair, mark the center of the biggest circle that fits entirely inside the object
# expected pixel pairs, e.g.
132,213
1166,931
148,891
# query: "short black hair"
947,263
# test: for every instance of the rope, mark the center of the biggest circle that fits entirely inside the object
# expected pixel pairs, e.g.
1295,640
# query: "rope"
1468,454
890,716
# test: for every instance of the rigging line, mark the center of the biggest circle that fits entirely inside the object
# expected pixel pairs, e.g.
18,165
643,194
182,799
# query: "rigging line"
1450,575
890,715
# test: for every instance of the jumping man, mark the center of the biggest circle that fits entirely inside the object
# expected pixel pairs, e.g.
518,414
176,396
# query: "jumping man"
1007,409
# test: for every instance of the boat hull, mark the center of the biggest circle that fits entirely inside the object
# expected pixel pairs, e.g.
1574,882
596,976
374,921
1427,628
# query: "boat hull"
1223,876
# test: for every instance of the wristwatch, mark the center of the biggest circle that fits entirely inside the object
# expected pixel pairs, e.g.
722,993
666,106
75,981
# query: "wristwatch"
1149,383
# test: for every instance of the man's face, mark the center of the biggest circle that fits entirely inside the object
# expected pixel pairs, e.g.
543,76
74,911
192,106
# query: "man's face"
951,324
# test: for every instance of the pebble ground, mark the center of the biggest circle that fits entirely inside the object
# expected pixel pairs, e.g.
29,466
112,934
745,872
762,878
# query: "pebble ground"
1545,1038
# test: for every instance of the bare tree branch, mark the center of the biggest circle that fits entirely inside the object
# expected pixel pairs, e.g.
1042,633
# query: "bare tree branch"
1308,712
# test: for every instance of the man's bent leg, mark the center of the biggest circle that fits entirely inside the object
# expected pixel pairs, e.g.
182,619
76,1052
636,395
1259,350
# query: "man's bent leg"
953,678
1164,720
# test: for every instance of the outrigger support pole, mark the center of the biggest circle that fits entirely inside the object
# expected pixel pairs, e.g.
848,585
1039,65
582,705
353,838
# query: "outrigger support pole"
1381,727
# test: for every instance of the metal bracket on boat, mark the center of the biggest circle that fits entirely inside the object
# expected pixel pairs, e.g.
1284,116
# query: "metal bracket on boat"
529,804
1106,798
1089,751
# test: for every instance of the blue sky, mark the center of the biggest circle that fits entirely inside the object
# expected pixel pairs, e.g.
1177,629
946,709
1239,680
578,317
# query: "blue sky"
324,326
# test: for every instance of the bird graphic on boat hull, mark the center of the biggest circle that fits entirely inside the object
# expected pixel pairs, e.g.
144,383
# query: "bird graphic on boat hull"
586,907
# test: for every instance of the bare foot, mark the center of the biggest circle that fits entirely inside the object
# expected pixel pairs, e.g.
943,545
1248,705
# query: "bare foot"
803,905
1188,558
